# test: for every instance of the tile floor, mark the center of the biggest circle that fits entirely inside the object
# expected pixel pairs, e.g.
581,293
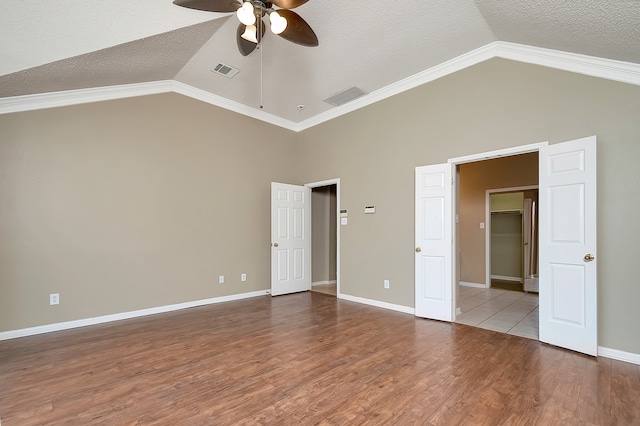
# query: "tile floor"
325,288
510,312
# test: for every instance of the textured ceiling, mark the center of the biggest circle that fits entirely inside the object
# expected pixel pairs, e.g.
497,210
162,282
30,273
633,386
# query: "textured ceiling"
73,44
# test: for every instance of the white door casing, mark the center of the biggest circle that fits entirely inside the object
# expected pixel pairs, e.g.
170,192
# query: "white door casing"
567,236
433,242
290,238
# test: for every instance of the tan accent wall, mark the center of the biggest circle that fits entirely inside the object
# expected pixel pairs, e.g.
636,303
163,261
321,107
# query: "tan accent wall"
493,105
323,233
475,179
133,204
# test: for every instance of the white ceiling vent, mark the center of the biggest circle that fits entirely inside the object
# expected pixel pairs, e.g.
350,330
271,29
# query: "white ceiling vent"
345,96
226,70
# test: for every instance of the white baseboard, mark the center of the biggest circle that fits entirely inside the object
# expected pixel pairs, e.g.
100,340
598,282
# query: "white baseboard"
377,303
619,355
506,278
13,334
476,285
323,282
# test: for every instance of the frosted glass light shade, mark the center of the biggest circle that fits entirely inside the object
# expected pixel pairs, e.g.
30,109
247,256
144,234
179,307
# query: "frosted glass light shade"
250,34
246,14
278,23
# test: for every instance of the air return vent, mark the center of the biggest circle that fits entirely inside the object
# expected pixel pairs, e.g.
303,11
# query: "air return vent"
226,70
345,96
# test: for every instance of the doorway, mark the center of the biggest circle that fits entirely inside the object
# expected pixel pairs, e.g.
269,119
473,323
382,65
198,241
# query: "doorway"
512,242
325,237
567,239
491,203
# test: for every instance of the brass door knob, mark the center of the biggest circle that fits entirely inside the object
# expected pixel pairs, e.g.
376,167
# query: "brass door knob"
418,249
275,244
588,257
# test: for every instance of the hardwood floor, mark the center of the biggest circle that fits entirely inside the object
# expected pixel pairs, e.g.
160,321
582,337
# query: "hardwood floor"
305,359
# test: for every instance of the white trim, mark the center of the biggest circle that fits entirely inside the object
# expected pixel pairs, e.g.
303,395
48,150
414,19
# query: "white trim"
475,285
377,304
210,98
619,355
336,182
12,334
498,153
621,71
506,278
324,282
441,70
82,96
609,69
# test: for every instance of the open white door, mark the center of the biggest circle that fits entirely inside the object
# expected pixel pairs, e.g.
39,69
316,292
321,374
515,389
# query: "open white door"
433,252
290,238
568,291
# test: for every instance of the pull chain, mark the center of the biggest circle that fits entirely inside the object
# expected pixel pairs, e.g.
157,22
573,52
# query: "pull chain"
261,47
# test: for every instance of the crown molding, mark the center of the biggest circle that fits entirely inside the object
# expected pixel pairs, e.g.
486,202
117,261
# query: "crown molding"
82,96
610,69
210,98
449,67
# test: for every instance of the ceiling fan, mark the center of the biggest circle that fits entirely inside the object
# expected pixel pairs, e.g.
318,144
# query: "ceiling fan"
283,22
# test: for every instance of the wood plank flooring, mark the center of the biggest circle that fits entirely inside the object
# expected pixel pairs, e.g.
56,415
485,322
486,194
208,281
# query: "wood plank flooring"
305,359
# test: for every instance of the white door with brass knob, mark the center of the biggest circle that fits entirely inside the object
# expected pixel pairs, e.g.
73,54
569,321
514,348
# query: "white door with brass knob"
433,244
567,234
290,238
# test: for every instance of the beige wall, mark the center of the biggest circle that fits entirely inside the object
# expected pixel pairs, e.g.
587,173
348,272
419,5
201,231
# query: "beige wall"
323,234
144,202
475,179
493,105
132,204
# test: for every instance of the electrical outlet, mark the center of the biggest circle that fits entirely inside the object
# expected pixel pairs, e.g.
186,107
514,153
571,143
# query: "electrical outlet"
243,277
54,299
221,279
386,283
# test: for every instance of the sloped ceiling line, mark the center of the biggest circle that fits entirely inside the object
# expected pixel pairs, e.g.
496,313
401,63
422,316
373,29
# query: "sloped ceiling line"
620,71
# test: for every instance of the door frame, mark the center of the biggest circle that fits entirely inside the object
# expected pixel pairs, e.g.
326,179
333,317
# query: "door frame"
454,163
318,184
487,223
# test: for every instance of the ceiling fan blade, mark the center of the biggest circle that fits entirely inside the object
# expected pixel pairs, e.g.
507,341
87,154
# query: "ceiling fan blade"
297,31
210,5
288,4
245,46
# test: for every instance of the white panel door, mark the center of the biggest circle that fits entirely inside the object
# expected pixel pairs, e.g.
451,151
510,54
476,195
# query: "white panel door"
433,251
568,291
290,238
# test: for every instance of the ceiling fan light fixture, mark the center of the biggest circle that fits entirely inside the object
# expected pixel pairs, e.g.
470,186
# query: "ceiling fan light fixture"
250,34
278,23
246,14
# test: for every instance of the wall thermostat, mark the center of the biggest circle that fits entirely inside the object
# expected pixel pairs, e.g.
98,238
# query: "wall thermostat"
369,209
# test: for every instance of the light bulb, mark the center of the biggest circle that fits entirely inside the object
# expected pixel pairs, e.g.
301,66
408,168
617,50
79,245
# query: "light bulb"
245,14
250,34
278,23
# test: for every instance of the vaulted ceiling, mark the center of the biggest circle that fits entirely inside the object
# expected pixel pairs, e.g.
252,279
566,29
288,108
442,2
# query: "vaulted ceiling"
78,44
